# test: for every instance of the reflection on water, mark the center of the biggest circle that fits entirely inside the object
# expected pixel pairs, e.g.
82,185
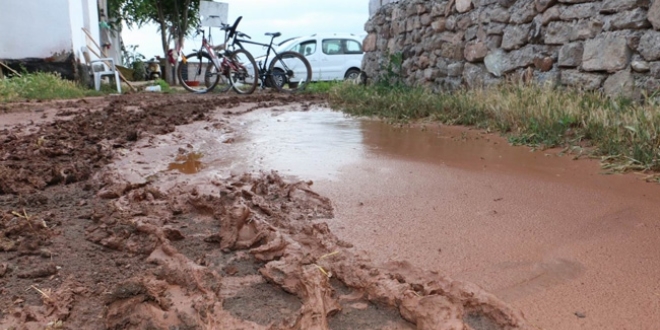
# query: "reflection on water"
318,144
187,164
311,145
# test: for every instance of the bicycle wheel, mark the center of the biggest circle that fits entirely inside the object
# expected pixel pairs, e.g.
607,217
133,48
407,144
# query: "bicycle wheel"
197,73
242,70
290,72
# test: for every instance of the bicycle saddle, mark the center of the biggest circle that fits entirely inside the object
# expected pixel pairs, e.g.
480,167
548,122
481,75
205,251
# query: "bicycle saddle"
274,34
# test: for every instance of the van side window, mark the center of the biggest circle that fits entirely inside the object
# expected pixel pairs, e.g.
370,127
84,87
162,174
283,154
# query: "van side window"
332,46
307,48
353,47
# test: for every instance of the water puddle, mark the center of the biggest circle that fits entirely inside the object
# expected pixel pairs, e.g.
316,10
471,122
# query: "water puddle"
310,145
187,164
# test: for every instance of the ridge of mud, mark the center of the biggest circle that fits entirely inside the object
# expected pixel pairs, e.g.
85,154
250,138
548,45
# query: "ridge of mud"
151,259
69,150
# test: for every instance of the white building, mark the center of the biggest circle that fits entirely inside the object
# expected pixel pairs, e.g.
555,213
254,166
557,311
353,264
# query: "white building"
47,34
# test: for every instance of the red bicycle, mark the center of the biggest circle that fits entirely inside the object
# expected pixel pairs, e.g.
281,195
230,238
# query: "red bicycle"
216,66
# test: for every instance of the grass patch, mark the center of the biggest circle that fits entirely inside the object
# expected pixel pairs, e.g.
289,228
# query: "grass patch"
625,134
41,86
321,87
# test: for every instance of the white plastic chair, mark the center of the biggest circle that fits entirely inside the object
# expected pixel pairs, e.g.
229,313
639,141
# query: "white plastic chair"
105,67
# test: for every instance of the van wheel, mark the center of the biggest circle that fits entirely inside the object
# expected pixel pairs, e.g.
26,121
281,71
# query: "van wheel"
352,74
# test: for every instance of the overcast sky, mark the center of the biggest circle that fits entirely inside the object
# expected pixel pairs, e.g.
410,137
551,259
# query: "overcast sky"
290,17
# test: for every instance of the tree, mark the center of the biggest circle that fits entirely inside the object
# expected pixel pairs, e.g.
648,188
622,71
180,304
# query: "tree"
176,19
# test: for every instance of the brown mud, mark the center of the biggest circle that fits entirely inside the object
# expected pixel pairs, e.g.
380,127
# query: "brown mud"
84,245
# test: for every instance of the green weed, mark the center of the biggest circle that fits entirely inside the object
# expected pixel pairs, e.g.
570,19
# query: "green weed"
41,86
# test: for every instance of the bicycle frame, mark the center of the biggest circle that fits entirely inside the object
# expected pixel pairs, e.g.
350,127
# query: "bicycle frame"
221,67
262,66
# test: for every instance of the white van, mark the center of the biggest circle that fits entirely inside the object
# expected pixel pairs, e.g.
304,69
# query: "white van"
332,56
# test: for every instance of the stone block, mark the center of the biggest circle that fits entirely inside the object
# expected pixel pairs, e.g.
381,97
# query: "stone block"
524,57
522,12
455,69
542,5
463,5
515,36
631,19
506,3
471,32
583,10
654,69
494,62
552,14
558,33
438,9
620,84
640,66
586,29
585,81
439,24
476,76
543,64
450,23
495,28
654,15
570,55
493,41
475,51
495,14
609,54
574,1
463,22
425,19
649,45
617,6
369,44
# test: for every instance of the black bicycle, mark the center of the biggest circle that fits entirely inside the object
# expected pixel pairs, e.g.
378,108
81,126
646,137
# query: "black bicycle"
287,72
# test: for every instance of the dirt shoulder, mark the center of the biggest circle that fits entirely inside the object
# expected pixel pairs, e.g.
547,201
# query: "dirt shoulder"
83,247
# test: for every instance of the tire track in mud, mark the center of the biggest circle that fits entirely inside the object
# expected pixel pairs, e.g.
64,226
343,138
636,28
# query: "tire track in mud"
141,258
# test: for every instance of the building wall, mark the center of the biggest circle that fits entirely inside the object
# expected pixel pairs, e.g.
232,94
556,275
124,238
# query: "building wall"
34,29
46,35
607,45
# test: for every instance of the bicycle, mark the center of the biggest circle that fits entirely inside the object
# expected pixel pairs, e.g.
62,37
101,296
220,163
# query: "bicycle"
231,69
288,71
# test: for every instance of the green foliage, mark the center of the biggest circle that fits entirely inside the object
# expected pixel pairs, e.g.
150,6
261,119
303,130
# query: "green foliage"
626,134
40,86
135,61
392,72
181,15
164,86
321,87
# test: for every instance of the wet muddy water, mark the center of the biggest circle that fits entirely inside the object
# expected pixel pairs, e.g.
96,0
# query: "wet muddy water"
571,247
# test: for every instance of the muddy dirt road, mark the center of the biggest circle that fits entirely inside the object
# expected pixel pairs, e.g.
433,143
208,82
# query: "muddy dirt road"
139,212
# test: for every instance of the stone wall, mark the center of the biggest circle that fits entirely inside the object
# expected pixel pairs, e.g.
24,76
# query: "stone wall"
609,45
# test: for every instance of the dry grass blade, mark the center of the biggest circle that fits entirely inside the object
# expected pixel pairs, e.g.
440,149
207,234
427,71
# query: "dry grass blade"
46,296
24,216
